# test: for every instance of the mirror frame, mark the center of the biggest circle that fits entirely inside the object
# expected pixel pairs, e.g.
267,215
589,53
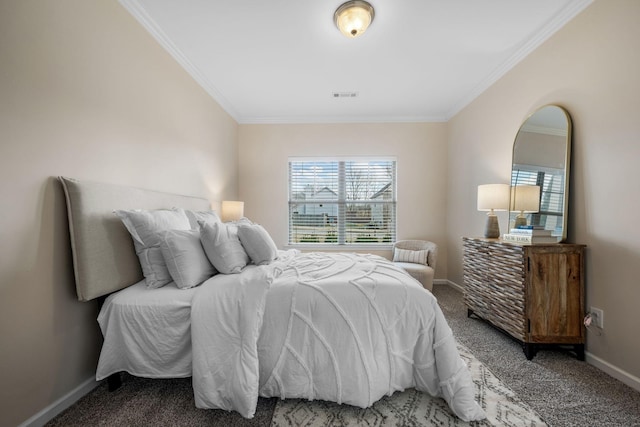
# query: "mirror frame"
567,161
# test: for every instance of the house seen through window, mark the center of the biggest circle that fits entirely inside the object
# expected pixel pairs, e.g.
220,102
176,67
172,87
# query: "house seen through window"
342,201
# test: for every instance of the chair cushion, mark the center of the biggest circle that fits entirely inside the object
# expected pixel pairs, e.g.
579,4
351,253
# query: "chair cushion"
423,273
405,255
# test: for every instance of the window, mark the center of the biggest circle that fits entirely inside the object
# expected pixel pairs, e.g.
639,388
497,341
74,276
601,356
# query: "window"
342,201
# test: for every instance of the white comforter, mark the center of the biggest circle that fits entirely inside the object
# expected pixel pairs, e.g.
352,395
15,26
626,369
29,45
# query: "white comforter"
341,327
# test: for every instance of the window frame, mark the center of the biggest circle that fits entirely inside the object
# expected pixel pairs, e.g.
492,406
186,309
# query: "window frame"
344,233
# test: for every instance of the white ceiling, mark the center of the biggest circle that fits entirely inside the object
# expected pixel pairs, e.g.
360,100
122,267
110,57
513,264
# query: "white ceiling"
281,61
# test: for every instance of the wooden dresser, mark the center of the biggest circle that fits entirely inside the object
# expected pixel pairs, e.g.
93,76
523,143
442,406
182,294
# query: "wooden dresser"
535,293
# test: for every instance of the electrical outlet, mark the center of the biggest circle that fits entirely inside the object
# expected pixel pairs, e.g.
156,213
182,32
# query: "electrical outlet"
597,317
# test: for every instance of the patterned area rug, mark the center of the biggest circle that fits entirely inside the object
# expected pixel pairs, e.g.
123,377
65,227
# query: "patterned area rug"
413,408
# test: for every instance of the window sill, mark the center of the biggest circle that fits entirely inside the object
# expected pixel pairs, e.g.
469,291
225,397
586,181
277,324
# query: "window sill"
340,248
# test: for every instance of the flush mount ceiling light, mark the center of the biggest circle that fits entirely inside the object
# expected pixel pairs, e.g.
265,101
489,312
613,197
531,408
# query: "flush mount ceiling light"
353,17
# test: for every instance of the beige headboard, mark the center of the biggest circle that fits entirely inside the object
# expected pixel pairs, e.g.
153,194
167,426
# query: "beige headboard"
104,259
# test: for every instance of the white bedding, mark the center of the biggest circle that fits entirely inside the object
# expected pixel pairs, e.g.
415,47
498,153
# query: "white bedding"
341,327
147,332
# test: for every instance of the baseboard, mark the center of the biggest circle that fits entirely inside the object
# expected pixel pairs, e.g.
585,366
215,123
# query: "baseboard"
48,413
617,373
606,367
454,285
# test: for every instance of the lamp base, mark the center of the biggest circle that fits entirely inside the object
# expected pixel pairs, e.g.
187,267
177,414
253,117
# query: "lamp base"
492,228
521,221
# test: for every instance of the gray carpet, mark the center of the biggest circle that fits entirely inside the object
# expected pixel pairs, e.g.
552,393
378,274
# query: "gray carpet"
561,389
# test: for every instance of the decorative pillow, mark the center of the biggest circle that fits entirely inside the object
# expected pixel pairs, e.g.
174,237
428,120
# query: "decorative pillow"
257,243
184,255
205,216
416,257
145,227
222,246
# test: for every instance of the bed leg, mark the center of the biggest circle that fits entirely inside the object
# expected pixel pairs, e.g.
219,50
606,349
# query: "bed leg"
114,381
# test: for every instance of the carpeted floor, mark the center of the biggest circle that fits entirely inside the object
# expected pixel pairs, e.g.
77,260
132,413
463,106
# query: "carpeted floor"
561,389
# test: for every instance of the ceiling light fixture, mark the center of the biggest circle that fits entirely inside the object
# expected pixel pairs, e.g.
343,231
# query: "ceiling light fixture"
353,17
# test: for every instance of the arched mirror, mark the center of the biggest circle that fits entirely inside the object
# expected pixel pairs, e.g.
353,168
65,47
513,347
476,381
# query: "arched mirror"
541,154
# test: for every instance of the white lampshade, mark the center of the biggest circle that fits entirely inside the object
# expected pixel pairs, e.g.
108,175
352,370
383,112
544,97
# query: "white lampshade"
525,198
353,17
493,197
232,210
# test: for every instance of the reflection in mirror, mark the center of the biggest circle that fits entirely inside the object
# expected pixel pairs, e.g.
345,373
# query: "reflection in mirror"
524,199
541,153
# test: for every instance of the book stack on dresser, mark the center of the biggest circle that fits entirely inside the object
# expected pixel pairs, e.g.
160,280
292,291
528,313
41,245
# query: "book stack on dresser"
530,234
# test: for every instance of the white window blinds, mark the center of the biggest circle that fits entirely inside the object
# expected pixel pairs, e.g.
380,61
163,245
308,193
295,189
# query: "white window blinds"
342,202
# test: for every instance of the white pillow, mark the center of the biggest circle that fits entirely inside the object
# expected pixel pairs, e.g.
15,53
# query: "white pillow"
205,216
145,227
184,255
222,246
406,255
257,243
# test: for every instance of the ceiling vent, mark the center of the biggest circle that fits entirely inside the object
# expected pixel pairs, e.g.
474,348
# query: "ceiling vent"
345,94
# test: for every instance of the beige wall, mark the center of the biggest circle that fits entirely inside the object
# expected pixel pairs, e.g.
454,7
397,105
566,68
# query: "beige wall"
421,153
85,92
591,68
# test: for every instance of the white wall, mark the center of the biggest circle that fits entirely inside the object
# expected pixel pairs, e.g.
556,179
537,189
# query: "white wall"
590,67
420,149
85,92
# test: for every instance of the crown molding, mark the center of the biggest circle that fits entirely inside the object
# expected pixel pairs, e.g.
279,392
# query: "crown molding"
137,11
339,119
567,14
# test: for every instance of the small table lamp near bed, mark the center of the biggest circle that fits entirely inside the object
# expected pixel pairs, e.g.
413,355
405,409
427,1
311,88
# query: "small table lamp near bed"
232,210
493,197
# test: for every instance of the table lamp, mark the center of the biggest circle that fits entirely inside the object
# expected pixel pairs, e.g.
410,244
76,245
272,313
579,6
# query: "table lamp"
491,198
232,210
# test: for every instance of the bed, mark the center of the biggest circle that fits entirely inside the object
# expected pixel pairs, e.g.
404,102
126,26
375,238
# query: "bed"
343,327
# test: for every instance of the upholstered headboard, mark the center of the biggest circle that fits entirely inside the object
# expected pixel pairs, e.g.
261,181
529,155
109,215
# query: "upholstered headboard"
104,259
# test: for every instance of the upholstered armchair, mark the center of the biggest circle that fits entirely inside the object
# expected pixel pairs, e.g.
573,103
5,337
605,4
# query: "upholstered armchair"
418,258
